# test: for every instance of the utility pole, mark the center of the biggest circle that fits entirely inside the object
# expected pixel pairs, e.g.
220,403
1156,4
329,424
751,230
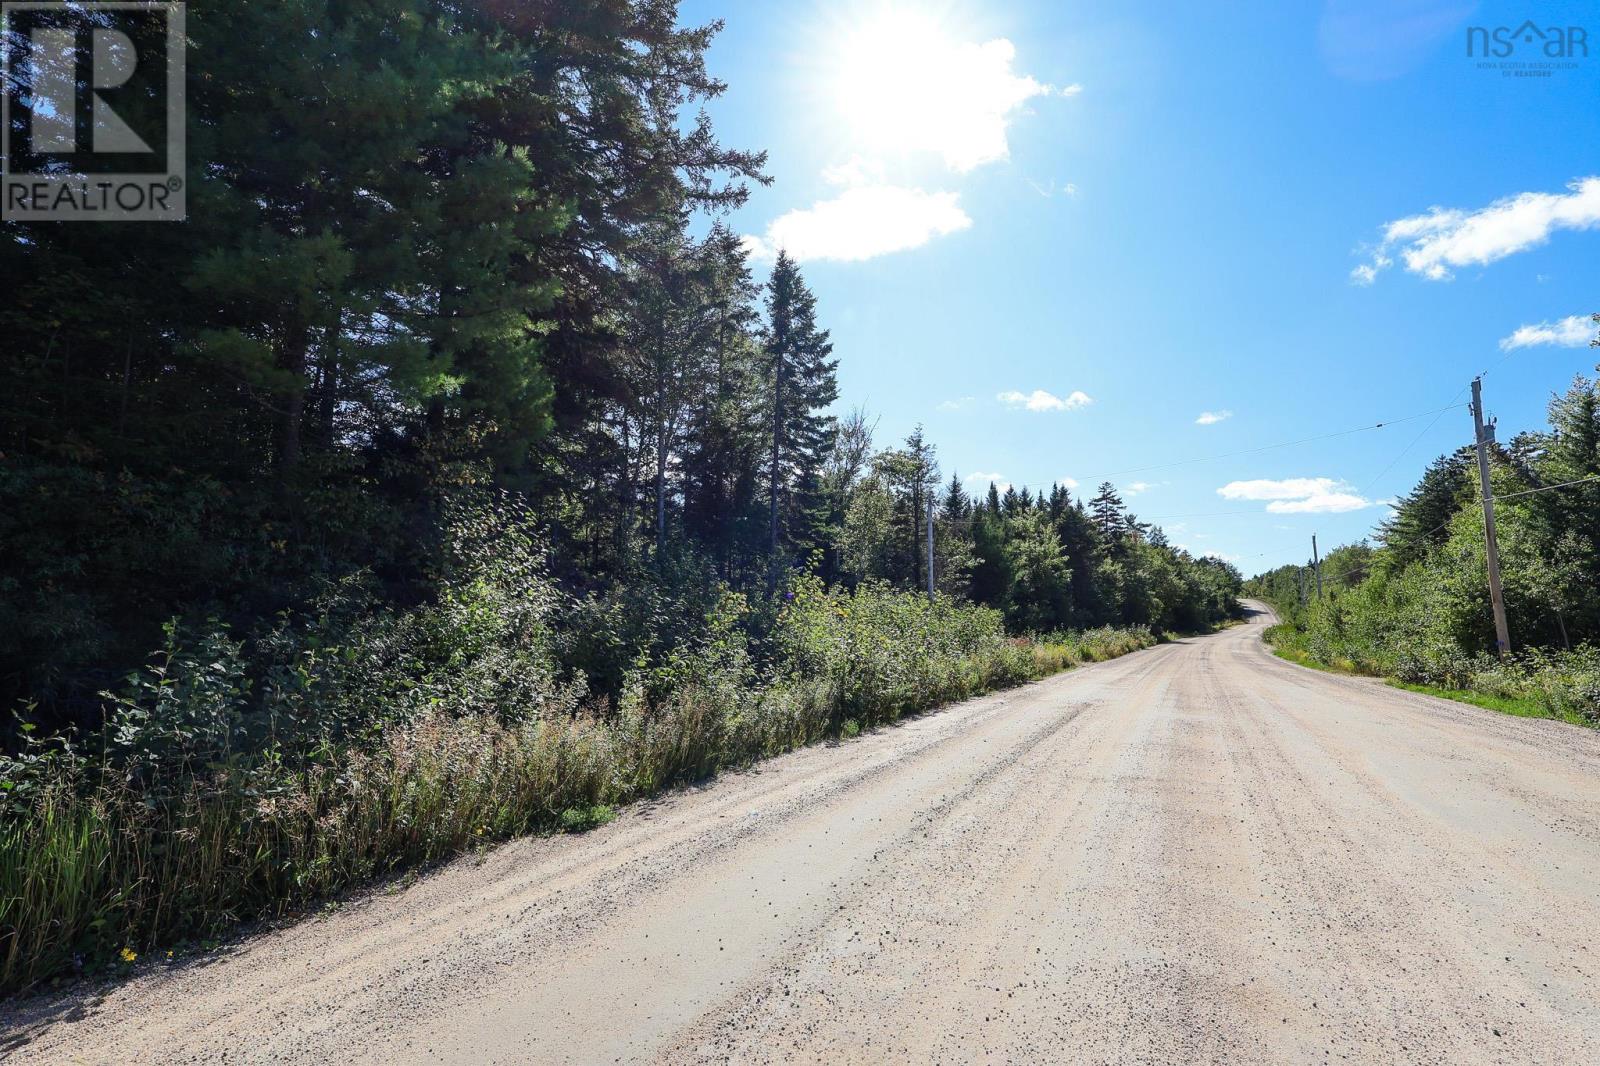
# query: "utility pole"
1484,435
930,545
1316,563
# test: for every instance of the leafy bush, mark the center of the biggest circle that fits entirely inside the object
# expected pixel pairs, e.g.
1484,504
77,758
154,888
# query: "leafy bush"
237,779
1562,684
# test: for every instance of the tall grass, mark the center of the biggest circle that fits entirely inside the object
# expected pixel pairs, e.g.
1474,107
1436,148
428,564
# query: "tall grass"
216,798
1554,684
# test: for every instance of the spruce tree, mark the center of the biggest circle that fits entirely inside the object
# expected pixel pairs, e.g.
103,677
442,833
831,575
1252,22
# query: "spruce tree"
1110,516
803,385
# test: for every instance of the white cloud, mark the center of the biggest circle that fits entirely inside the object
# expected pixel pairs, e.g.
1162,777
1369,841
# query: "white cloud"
856,171
1211,418
1288,489
1067,482
1039,400
1299,495
1136,487
981,482
1322,503
904,83
1050,188
1442,239
862,223
1574,331
958,405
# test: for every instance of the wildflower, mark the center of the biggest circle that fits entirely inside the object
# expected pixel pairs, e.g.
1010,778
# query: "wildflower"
129,955
169,954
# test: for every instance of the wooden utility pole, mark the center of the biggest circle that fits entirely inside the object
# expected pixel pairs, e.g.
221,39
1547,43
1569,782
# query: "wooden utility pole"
1484,435
930,545
1316,563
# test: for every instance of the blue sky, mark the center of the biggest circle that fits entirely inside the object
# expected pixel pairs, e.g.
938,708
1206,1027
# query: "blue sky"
1057,234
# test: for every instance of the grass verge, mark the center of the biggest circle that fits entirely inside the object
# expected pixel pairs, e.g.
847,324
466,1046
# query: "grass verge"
1281,644
1520,707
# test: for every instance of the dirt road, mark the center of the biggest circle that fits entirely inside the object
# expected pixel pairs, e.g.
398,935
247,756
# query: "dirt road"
1198,853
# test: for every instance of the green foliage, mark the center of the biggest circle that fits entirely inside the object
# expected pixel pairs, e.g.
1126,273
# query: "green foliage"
874,654
240,779
1417,609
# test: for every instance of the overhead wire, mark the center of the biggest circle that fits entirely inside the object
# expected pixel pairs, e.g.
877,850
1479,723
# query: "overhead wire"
1366,487
1272,447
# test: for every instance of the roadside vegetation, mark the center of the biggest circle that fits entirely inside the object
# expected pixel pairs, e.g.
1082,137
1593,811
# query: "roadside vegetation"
460,479
233,780
1415,608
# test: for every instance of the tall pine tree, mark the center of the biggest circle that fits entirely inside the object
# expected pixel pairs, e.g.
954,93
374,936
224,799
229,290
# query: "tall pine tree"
803,385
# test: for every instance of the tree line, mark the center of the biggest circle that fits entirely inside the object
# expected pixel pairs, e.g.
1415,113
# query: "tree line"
441,248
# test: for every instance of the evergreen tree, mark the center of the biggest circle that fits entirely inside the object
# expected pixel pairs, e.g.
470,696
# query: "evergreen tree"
722,451
1110,517
1422,517
921,475
803,385
957,508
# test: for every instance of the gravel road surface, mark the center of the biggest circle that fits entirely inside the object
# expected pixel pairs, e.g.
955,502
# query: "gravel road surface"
1197,853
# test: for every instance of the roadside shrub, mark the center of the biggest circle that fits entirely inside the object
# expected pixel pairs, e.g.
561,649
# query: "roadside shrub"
239,779
876,653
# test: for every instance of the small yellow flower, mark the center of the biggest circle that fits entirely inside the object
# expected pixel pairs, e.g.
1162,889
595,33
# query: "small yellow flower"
169,954
128,955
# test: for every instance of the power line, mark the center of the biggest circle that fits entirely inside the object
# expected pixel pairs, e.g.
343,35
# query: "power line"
1371,483
1271,447
1447,521
1202,514
1549,488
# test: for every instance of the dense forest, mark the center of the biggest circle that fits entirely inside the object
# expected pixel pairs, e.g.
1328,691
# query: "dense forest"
1416,605
454,472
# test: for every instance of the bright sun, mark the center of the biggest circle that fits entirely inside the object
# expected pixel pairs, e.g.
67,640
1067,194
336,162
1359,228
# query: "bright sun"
909,80
888,81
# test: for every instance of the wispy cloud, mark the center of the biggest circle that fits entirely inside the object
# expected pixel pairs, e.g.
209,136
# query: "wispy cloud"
1574,331
1135,488
1298,495
1211,418
1040,400
958,404
1050,188
856,171
862,223
1441,240
1067,482
980,482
